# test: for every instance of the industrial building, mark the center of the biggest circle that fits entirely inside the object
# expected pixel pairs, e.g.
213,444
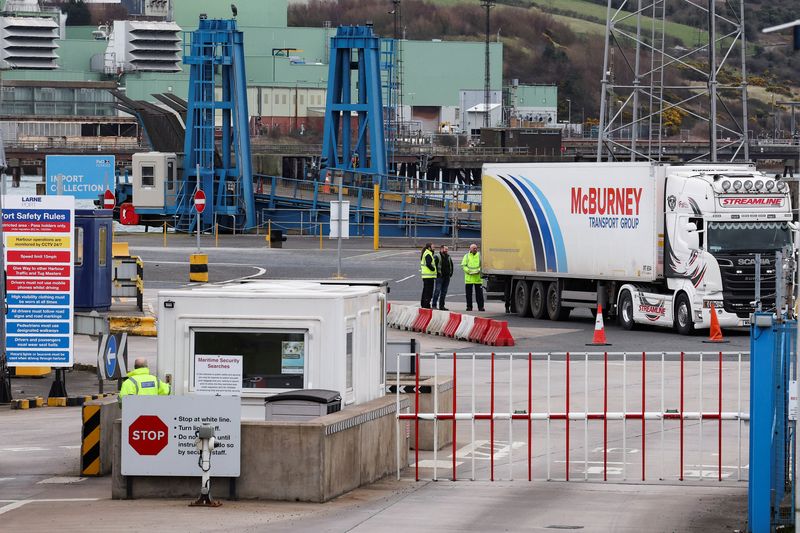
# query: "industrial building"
56,77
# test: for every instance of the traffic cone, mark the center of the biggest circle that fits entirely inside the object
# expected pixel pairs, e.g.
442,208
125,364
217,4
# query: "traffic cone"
599,330
715,333
327,187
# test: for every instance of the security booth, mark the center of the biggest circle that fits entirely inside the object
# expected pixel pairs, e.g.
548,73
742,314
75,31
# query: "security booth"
93,265
291,335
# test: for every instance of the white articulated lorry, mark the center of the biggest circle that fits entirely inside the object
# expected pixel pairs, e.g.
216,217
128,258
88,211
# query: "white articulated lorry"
654,243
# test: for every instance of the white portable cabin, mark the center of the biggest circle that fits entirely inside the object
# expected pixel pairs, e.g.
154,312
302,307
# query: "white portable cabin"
292,335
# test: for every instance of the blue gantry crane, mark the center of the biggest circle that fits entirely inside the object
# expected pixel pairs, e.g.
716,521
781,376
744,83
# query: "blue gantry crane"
355,48
215,55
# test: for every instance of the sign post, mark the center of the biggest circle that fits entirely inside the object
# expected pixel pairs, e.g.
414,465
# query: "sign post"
199,206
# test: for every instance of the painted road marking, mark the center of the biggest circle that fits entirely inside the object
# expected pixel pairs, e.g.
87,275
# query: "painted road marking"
61,480
406,278
38,449
16,504
6,479
260,272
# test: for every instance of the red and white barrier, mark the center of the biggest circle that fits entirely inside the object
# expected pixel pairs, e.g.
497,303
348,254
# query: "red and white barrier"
498,334
437,323
452,324
479,329
394,314
467,322
592,399
408,318
423,319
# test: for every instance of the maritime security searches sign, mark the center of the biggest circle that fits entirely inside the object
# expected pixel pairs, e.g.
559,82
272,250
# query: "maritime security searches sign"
84,177
37,233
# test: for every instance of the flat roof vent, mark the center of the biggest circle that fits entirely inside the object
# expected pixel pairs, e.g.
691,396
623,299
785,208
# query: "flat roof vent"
144,46
29,42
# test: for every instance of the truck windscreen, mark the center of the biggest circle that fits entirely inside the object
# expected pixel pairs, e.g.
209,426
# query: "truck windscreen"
744,237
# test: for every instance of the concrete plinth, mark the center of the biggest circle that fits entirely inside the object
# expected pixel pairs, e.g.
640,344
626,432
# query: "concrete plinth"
444,404
311,461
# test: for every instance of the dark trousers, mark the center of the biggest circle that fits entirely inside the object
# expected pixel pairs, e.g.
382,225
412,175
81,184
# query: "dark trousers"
478,295
427,292
440,292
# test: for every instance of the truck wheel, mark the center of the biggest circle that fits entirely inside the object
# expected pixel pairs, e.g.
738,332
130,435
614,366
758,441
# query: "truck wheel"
538,299
554,309
522,297
683,315
625,311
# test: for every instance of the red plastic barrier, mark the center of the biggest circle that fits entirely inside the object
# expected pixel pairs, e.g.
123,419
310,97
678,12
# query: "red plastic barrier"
479,329
388,307
498,334
423,319
452,325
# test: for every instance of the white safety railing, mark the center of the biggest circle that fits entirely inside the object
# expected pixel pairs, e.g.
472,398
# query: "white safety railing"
613,399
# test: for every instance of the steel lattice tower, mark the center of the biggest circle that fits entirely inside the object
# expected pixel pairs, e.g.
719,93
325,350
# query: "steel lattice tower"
642,68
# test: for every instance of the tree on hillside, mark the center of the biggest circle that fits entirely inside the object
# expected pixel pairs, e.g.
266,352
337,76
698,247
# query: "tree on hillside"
77,13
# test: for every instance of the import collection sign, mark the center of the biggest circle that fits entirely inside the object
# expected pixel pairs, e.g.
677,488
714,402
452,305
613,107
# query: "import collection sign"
159,433
38,234
84,177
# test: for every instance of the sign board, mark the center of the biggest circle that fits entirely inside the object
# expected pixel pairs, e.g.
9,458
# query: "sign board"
158,434
218,374
199,200
336,214
37,234
112,356
84,177
792,400
293,355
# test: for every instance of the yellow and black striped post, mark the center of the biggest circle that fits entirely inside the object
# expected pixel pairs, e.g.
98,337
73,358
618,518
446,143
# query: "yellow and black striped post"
90,442
198,267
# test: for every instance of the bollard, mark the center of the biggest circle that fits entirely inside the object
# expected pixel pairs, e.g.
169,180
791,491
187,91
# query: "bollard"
269,233
376,221
165,234
320,235
198,268
216,235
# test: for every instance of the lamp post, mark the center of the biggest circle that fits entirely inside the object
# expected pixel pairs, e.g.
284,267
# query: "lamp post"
569,117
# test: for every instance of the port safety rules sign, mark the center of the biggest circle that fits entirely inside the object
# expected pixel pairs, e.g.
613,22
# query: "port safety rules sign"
37,235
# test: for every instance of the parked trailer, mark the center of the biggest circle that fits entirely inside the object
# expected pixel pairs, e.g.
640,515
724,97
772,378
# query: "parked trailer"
652,243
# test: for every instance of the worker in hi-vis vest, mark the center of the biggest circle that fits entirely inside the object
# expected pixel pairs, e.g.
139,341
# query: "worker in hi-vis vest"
471,263
427,270
141,383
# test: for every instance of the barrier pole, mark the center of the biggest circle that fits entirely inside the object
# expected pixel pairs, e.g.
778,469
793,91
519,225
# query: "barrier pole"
662,415
624,415
416,418
165,234
566,421
269,233
216,234
719,430
320,235
680,478
739,420
376,222
605,416
473,417
397,412
455,410
585,416
700,399
491,425
547,438
435,391
530,411
510,416
644,433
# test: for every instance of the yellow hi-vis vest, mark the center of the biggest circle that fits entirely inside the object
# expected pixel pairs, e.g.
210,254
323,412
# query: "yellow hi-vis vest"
423,267
472,268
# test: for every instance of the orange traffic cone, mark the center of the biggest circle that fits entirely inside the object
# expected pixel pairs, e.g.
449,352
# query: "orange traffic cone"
327,187
715,333
599,330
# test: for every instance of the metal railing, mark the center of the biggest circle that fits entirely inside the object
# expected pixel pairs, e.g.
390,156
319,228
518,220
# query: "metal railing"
663,395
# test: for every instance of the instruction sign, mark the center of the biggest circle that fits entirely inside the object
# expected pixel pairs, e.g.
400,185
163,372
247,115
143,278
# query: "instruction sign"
218,374
292,357
159,432
84,177
37,231
112,355
340,215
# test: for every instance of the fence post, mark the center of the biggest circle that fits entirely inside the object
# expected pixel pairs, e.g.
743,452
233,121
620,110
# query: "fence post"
376,216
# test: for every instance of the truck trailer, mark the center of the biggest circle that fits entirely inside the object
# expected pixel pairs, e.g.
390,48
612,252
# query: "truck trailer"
652,243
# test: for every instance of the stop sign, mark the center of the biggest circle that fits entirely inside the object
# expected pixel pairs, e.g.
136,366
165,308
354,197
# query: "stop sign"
199,200
148,435
109,201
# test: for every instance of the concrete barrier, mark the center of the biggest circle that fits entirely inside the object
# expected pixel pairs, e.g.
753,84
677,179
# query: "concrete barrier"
97,435
467,322
313,461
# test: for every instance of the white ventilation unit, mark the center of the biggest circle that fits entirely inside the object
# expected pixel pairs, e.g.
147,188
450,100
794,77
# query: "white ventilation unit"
28,42
144,47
